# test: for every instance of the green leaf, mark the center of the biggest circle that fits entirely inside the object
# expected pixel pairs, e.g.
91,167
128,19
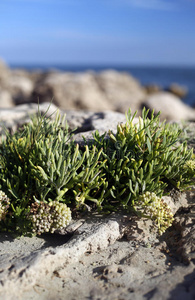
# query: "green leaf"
149,145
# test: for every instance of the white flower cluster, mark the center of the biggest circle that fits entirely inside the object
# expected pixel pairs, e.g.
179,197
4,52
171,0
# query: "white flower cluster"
49,217
4,204
156,209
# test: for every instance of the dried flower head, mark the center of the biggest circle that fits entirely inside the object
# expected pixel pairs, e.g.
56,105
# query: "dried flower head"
151,206
4,204
190,164
49,217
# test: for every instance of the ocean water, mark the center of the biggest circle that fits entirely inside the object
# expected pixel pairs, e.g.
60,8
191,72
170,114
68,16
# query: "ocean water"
162,76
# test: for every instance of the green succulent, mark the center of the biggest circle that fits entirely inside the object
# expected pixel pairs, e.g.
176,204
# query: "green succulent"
143,157
48,177
40,164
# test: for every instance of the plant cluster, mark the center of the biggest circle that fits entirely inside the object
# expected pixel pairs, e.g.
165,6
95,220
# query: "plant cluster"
47,217
4,205
148,205
48,177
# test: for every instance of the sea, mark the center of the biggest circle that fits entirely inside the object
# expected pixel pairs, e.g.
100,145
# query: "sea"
162,76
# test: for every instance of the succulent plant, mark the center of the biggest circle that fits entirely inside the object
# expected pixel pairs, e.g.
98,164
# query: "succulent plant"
47,176
143,157
40,163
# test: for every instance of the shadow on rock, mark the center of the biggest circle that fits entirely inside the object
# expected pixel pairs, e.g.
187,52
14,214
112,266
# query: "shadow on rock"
185,289
54,240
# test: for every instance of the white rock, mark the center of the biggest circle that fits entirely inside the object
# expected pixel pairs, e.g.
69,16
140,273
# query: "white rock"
22,84
171,107
5,99
121,89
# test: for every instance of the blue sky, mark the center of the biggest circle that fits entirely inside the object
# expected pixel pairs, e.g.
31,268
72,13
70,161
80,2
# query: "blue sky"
127,32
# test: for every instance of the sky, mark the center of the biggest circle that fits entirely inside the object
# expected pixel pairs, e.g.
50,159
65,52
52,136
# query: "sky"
98,32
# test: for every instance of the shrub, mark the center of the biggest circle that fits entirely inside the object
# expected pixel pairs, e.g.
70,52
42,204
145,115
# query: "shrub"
47,176
40,164
144,157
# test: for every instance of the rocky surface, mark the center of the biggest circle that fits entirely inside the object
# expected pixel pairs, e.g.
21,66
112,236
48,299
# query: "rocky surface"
104,258
96,257
179,91
91,91
171,107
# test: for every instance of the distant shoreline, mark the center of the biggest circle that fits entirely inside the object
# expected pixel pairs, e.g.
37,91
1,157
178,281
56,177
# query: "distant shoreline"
62,66
161,76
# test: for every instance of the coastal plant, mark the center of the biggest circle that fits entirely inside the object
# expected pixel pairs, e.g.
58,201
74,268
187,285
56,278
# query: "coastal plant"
187,134
47,217
41,165
4,205
49,178
144,157
150,206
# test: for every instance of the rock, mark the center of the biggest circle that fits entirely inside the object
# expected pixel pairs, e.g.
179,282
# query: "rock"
20,87
176,200
90,237
171,107
103,122
81,120
78,264
4,72
108,90
108,121
91,91
71,91
85,122
178,90
5,99
117,256
152,88
90,95
121,90
12,118
17,83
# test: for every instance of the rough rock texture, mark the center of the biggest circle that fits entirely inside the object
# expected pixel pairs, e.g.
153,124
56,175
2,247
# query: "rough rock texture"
14,118
112,257
91,91
116,256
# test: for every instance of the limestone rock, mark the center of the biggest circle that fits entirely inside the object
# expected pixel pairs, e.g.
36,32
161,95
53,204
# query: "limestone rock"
171,107
90,91
4,72
5,99
92,235
12,118
178,90
20,87
108,90
71,91
85,122
152,88
121,90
